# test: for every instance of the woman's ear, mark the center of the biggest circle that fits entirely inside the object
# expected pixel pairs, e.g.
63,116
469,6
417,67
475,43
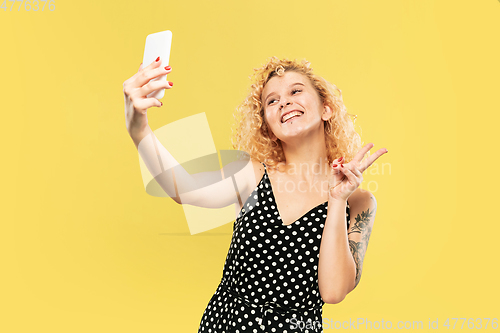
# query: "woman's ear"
327,113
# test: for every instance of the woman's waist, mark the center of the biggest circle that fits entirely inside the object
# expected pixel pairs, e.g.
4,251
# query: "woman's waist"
275,301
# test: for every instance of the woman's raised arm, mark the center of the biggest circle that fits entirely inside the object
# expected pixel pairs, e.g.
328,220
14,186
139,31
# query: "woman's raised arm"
207,189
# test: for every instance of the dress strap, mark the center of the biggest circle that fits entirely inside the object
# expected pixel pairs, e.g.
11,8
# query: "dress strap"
348,214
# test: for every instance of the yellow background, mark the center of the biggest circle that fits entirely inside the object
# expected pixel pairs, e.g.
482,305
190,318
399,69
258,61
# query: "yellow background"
85,249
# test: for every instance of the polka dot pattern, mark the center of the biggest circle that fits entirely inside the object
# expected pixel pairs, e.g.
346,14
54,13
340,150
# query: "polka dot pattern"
270,277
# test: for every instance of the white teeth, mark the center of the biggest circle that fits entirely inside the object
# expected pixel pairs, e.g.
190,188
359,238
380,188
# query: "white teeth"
290,115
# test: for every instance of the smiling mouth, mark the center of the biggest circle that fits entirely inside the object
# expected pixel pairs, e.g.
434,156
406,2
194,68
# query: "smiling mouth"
291,115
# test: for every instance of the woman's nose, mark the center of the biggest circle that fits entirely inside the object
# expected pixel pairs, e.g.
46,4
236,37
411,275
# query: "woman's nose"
283,104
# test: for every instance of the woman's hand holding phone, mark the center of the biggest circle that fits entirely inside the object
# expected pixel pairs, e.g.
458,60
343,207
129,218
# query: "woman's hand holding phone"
136,90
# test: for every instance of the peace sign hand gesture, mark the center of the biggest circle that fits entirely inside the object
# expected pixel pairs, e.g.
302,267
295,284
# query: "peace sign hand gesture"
345,178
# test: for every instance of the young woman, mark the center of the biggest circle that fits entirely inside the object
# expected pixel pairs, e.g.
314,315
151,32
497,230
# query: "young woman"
303,226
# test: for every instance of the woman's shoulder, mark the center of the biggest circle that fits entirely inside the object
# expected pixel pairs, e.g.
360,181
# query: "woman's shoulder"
258,169
248,177
247,173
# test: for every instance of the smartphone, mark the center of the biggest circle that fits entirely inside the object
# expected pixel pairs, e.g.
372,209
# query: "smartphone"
157,45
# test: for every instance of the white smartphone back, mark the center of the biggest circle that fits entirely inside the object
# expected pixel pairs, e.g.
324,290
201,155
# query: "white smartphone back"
158,45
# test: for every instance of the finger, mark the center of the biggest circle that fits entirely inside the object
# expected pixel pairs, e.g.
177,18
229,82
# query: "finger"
335,165
336,175
152,86
354,169
336,179
362,152
132,81
149,72
146,103
129,81
158,83
335,168
372,158
351,177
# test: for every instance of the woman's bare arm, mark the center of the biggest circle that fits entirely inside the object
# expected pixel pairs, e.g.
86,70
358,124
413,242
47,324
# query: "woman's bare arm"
342,253
215,189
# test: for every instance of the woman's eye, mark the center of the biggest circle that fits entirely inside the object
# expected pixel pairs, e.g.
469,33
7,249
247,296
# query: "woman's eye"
293,93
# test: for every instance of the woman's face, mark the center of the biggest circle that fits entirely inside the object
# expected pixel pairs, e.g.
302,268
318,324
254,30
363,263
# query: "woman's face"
293,92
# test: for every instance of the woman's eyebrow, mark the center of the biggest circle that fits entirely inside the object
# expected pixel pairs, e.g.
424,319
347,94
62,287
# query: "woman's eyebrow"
293,84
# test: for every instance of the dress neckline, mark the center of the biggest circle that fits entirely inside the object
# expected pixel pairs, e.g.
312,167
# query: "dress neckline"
276,203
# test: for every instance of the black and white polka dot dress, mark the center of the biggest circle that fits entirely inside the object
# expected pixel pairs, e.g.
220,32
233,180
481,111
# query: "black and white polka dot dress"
270,277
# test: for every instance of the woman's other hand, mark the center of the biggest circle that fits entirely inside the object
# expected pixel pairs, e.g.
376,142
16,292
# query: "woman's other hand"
345,178
136,90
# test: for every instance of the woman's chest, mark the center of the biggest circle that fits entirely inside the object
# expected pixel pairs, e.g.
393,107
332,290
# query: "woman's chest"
295,199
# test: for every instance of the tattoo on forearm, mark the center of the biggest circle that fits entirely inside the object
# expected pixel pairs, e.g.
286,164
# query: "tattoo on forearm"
358,249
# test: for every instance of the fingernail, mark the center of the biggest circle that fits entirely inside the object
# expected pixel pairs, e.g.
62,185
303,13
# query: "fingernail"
341,165
157,59
334,166
161,103
341,159
170,83
167,68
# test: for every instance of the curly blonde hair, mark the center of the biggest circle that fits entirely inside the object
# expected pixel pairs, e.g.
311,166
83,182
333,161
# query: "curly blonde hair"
251,131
